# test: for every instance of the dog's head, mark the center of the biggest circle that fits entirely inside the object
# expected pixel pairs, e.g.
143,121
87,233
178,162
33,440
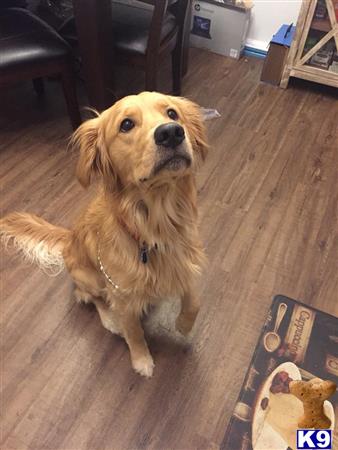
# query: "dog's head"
141,139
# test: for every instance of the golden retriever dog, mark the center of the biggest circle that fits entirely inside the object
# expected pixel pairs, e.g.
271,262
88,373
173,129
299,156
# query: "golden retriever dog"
137,241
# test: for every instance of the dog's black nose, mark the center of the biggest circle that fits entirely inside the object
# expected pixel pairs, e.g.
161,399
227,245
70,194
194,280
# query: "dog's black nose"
169,135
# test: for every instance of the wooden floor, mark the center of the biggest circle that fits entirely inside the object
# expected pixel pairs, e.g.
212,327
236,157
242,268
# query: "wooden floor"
268,198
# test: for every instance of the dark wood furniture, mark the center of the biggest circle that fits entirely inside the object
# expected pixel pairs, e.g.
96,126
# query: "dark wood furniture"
93,22
186,39
143,37
31,49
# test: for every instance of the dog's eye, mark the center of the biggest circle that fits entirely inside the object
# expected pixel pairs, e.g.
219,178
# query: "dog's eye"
172,114
126,125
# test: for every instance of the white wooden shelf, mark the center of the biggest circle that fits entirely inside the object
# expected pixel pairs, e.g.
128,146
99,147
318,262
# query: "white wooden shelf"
298,61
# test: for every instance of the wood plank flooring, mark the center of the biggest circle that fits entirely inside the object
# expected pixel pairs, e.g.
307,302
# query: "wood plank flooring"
268,207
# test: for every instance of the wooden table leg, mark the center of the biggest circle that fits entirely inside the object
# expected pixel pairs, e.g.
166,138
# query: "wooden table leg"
94,28
186,39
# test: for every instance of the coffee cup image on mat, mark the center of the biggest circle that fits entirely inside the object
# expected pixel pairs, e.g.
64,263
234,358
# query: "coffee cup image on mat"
278,413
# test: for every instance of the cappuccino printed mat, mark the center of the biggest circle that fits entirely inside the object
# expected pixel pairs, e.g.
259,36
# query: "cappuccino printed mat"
297,343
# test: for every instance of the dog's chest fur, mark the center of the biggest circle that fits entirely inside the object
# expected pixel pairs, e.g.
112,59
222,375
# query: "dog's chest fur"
169,229
169,270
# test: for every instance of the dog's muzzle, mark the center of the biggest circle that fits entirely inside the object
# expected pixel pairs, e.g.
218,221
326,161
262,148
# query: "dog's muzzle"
172,153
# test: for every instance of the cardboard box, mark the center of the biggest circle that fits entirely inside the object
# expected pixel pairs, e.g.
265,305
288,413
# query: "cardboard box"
219,27
277,55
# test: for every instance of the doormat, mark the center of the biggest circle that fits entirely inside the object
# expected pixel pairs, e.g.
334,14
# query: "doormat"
297,342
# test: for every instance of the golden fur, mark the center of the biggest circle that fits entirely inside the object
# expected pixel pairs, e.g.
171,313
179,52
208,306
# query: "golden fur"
135,202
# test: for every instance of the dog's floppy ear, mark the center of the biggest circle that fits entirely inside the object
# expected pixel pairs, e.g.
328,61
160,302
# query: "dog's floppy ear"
193,121
93,158
85,139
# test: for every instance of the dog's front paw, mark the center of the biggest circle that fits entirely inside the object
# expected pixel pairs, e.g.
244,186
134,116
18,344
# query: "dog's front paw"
144,365
184,324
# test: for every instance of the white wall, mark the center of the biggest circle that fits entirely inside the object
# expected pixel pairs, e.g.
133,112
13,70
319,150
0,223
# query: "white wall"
267,17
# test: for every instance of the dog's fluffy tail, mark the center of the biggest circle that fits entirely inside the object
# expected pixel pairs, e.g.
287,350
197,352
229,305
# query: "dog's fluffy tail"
35,239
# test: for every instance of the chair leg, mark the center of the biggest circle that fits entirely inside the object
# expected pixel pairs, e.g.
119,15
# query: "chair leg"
176,63
69,90
151,77
39,86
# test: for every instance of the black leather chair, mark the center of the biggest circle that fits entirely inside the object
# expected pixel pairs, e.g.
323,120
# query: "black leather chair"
143,37
31,49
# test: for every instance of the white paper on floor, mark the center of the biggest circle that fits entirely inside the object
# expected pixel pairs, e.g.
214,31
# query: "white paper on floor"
210,113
